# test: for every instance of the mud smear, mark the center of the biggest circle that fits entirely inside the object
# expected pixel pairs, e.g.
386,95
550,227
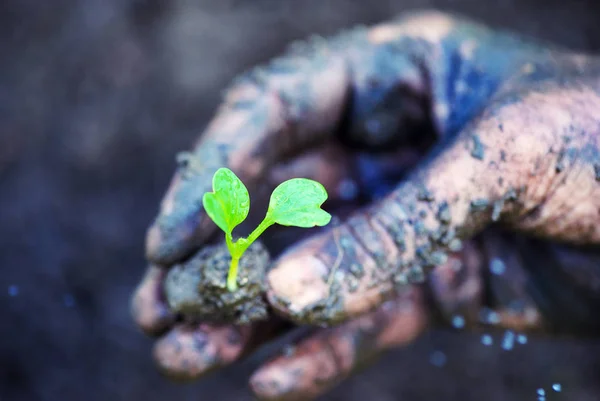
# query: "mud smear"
197,288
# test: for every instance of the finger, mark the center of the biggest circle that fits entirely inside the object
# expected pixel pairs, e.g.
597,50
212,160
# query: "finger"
148,306
352,268
318,363
190,351
267,115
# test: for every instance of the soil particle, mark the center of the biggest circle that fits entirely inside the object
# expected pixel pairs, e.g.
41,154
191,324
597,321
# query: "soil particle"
415,274
352,285
438,258
425,195
420,228
357,270
396,231
444,214
498,206
436,235
447,236
560,163
497,210
478,150
479,204
429,257
197,288
400,279
511,194
455,245
288,350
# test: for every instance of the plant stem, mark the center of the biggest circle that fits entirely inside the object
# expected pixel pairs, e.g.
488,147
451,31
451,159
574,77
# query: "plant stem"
232,275
230,244
266,223
237,249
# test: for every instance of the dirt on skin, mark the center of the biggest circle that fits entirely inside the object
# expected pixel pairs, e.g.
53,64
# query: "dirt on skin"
197,288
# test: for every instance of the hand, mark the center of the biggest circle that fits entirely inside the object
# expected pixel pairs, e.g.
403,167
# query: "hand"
508,131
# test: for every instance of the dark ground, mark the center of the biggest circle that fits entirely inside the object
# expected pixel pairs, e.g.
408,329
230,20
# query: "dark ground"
96,97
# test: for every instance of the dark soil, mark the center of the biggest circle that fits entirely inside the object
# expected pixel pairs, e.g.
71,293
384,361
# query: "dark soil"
197,289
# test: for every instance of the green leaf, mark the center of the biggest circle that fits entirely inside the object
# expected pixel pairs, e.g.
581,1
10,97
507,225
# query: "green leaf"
229,203
297,202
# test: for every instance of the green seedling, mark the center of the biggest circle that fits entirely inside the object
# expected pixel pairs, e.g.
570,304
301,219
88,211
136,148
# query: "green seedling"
296,202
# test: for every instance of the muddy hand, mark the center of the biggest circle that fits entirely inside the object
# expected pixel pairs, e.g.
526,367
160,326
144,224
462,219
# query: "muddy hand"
516,144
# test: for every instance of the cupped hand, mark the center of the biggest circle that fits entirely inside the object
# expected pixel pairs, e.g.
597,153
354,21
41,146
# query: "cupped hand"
446,148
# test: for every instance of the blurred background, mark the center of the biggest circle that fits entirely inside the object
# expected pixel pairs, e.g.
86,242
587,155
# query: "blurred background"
96,97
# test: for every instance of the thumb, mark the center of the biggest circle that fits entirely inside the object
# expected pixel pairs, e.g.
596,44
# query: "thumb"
354,267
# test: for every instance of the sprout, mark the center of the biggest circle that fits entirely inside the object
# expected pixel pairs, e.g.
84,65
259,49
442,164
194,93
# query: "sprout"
295,202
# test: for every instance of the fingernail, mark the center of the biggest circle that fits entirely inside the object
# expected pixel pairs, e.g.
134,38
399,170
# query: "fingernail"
298,286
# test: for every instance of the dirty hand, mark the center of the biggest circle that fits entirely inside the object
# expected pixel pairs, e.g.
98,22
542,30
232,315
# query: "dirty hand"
508,131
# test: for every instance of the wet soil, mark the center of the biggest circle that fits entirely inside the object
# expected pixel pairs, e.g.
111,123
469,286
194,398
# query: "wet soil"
197,288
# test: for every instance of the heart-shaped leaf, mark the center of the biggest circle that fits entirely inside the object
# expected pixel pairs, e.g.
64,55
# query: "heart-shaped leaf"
297,202
229,203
